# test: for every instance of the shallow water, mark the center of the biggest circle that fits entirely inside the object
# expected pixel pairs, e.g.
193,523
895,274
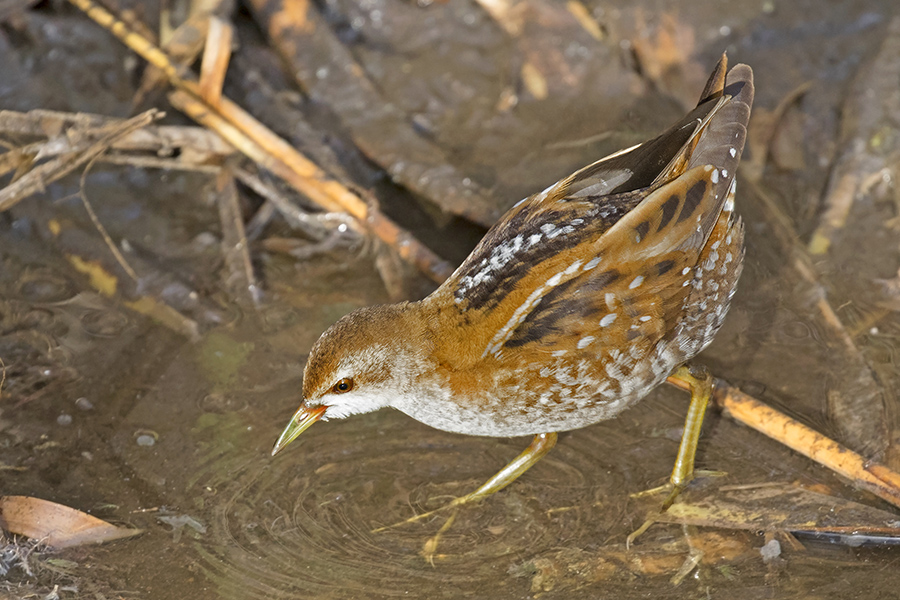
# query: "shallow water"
300,525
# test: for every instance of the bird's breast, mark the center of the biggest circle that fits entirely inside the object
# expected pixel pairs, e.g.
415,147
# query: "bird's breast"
524,398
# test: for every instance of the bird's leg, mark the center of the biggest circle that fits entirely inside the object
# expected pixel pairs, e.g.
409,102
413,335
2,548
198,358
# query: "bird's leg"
540,445
699,381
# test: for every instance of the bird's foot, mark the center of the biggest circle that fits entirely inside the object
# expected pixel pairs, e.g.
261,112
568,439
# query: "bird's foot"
429,548
672,491
540,445
455,503
693,558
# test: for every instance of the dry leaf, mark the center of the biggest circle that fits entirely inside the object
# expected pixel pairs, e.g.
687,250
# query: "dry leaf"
57,525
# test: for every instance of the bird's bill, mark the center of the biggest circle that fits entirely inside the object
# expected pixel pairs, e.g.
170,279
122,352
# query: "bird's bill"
300,422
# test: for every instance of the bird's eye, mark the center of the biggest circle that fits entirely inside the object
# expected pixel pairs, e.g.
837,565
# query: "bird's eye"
343,386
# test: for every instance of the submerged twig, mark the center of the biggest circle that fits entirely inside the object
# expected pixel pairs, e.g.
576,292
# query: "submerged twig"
762,132
99,226
865,408
866,150
87,256
240,279
315,225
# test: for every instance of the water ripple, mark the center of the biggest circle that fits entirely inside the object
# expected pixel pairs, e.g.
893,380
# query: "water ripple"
301,525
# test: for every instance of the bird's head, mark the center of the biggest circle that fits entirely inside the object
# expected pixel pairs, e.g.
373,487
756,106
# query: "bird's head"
363,362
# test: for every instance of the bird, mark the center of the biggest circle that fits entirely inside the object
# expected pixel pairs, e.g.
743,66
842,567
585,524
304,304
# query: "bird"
576,304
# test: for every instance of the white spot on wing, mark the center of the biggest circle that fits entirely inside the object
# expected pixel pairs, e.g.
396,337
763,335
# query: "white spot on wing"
608,320
636,282
573,267
729,203
585,342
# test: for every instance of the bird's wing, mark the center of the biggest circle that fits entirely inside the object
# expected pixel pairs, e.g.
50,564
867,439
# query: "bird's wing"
628,283
571,263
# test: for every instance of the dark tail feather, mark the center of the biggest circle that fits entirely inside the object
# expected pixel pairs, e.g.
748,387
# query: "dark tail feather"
716,81
722,143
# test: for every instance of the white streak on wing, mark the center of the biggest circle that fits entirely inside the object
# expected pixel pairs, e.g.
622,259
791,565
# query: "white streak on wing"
517,317
559,231
729,199
522,312
573,267
500,256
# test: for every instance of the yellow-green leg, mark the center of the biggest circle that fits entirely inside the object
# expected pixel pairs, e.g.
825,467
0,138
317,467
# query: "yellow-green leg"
540,445
698,379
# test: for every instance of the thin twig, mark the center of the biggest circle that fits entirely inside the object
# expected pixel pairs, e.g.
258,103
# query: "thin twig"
802,263
99,226
2,376
315,225
860,413
216,56
163,164
240,279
